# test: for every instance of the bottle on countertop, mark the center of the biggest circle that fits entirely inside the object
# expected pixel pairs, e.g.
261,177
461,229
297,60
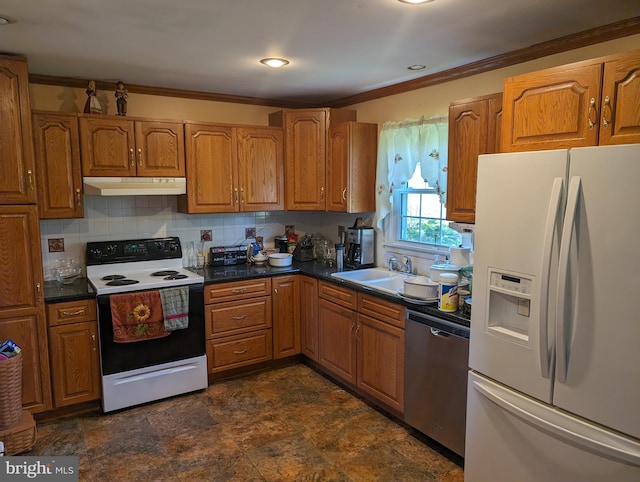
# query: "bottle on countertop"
340,256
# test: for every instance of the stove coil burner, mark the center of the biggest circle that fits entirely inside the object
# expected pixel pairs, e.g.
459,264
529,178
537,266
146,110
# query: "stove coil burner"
176,276
165,272
122,282
112,277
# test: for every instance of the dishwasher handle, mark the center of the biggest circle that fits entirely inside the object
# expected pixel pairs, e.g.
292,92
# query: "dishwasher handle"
439,333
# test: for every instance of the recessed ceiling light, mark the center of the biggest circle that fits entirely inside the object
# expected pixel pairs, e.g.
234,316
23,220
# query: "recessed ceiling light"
274,62
417,67
415,1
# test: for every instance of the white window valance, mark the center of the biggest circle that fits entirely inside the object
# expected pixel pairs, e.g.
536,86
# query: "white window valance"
401,146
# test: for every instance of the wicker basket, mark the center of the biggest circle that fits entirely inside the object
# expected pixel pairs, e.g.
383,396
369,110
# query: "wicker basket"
20,438
10,391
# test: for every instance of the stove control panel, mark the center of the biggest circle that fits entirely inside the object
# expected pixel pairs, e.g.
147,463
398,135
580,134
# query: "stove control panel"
104,252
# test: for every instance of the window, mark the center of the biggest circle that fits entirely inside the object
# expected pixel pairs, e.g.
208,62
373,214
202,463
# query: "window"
421,215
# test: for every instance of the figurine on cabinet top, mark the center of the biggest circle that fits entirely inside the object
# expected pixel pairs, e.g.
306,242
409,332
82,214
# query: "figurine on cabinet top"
121,98
92,105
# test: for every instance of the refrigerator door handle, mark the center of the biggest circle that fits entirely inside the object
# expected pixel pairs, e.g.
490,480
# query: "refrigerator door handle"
565,250
549,231
563,427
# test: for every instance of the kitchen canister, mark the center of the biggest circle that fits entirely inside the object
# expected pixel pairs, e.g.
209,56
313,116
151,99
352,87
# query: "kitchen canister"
448,299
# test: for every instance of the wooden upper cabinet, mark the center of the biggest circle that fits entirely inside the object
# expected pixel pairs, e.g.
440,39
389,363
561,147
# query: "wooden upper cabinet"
474,127
261,168
351,167
231,169
113,146
620,119
57,154
17,172
211,169
305,152
588,103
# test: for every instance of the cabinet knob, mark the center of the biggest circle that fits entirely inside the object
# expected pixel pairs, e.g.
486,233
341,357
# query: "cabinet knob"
607,104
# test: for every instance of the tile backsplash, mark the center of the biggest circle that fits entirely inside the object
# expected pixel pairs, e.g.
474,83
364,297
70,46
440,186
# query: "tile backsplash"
133,217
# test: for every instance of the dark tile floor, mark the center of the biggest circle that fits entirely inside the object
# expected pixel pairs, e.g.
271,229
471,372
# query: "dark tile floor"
289,424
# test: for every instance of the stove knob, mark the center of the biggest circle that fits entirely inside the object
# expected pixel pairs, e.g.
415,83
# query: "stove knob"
111,249
95,253
173,247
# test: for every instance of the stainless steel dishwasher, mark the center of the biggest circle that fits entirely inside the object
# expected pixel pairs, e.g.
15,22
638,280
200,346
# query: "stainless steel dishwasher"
436,365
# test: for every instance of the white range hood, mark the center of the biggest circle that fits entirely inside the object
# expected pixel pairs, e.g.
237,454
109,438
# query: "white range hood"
134,186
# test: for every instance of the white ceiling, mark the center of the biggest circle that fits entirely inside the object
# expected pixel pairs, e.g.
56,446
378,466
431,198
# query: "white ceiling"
337,48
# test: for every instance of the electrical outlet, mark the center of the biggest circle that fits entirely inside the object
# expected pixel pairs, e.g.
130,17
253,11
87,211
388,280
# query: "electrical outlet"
250,233
56,245
205,235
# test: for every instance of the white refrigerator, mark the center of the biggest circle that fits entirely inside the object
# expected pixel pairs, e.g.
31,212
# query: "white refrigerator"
554,381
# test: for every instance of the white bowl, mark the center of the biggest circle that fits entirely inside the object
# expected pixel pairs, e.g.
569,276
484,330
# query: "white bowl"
280,260
437,269
420,287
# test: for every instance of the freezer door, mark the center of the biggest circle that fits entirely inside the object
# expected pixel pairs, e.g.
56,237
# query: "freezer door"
598,347
510,437
519,206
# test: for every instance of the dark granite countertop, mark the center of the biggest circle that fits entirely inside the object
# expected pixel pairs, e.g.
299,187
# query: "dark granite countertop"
56,292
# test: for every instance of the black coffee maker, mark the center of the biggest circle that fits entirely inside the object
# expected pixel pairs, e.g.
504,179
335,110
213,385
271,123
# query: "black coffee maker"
360,247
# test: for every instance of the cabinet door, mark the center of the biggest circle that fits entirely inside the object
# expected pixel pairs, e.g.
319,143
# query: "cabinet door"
160,149
75,364
552,109
472,131
29,332
309,316
57,153
261,168
211,170
381,361
351,167
620,119
305,151
17,181
107,146
336,343
22,315
286,316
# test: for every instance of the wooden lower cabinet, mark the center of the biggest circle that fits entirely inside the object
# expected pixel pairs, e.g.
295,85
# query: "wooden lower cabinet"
238,324
75,357
309,317
286,316
336,342
361,340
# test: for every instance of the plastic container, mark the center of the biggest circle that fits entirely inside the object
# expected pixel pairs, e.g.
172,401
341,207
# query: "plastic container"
340,256
438,269
448,300
280,260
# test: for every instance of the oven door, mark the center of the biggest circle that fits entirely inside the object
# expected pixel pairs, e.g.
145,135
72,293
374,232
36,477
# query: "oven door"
179,345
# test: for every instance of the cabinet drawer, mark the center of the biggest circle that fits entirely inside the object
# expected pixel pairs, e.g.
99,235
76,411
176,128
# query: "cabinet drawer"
71,312
380,309
233,317
237,290
239,350
337,294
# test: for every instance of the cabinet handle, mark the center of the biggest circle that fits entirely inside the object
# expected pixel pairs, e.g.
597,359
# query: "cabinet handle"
275,290
73,313
605,122
344,194
322,193
239,352
242,290
139,157
592,104
30,178
93,342
78,197
242,195
242,317
38,291
236,196
132,161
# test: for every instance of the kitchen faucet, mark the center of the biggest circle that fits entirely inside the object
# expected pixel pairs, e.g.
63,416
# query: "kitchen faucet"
408,264
392,260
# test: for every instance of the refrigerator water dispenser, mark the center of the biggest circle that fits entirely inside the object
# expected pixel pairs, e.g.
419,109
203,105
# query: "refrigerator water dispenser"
509,305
